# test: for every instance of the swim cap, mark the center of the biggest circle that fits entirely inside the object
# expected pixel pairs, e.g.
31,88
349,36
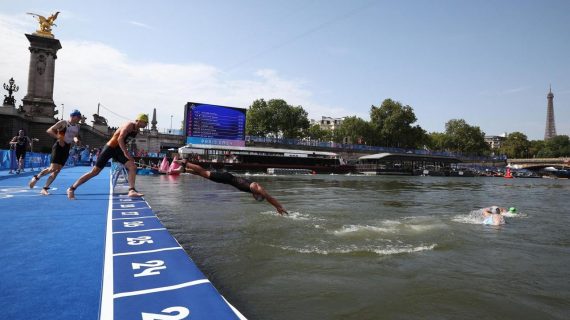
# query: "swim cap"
142,117
75,113
512,210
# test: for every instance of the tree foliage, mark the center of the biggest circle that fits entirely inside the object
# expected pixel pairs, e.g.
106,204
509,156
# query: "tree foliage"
558,146
392,125
315,132
464,138
534,147
516,145
437,141
276,118
260,120
354,130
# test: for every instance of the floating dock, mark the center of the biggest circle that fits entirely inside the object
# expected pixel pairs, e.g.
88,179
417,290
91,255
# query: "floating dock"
103,256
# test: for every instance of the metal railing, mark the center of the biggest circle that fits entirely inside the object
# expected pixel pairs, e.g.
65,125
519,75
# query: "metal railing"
367,148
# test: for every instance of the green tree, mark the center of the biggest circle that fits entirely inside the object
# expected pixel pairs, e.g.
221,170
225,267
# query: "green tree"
437,141
516,145
555,147
535,146
293,121
260,120
276,118
392,123
355,130
315,132
461,137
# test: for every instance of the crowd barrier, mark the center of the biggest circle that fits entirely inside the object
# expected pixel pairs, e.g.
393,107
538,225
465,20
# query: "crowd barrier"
33,160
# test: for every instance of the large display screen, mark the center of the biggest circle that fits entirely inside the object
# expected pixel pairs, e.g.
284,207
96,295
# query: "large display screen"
214,125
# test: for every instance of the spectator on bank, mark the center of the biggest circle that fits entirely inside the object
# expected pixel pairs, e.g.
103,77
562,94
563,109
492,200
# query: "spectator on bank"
95,157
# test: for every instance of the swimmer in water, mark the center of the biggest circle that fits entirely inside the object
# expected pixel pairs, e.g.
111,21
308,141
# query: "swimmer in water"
493,215
242,184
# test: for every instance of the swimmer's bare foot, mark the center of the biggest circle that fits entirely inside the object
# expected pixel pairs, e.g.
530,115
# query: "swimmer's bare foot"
44,191
32,182
71,193
134,193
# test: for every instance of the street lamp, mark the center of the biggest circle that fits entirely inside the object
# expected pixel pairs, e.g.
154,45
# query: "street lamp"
62,112
11,88
170,124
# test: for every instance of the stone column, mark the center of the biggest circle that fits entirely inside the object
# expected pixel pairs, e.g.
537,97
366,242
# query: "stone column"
38,103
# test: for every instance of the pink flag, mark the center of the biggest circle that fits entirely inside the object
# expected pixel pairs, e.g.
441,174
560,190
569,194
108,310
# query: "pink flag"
164,165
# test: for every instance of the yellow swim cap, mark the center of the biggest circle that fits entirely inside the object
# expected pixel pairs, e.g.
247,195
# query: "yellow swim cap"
142,117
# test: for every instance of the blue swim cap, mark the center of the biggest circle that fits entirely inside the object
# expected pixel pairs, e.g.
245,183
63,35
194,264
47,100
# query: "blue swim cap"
75,113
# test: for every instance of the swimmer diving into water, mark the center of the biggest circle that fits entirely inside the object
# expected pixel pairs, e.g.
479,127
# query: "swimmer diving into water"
242,184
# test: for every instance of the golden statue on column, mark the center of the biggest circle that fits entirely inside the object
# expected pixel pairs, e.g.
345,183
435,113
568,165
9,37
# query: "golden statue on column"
45,24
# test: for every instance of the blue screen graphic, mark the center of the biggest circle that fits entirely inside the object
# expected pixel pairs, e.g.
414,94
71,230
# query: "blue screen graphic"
212,124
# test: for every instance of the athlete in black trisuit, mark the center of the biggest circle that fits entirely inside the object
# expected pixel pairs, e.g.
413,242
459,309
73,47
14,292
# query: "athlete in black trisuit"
65,132
242,184
20,143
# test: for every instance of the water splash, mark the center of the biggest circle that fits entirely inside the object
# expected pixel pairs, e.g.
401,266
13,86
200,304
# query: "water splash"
353,249
363,229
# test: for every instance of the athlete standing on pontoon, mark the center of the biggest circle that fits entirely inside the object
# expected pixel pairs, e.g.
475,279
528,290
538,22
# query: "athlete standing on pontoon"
66,132
242,184
116,148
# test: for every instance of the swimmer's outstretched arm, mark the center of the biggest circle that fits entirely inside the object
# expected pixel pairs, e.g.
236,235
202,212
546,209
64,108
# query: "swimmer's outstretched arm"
257,188
276,204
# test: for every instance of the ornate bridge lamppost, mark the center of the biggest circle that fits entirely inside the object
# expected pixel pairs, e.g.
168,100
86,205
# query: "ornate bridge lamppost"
11,88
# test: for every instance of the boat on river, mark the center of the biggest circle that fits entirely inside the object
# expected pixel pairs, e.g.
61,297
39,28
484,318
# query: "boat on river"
258,159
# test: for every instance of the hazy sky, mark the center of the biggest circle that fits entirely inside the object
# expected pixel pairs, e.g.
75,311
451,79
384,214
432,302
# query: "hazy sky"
488,62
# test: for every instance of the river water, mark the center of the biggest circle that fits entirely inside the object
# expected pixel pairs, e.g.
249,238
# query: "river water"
376,247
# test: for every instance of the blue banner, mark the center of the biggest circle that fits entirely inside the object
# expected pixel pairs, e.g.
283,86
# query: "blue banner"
33,160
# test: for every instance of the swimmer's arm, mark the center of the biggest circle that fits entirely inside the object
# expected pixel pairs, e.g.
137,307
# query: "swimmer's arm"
52,131
276,204
259,189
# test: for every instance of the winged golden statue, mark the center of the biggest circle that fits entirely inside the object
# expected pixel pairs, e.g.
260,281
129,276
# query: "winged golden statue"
45,24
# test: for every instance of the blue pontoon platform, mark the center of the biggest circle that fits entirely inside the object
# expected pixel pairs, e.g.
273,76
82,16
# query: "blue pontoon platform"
103,256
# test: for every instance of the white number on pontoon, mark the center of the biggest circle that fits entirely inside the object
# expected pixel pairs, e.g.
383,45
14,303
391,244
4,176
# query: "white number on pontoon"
182,313
152,265
139,240
133,224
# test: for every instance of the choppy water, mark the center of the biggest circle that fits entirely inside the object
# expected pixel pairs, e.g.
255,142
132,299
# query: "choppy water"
376,247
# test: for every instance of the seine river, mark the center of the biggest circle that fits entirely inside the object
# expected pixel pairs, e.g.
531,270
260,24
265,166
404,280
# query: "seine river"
376,247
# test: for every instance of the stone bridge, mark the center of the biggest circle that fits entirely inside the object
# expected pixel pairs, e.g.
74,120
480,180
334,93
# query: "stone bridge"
539,163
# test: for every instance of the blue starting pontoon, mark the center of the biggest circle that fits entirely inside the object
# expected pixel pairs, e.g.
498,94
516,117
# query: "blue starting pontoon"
103,256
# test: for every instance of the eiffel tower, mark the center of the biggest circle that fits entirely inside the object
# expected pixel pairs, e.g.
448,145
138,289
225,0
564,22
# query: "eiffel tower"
550,131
